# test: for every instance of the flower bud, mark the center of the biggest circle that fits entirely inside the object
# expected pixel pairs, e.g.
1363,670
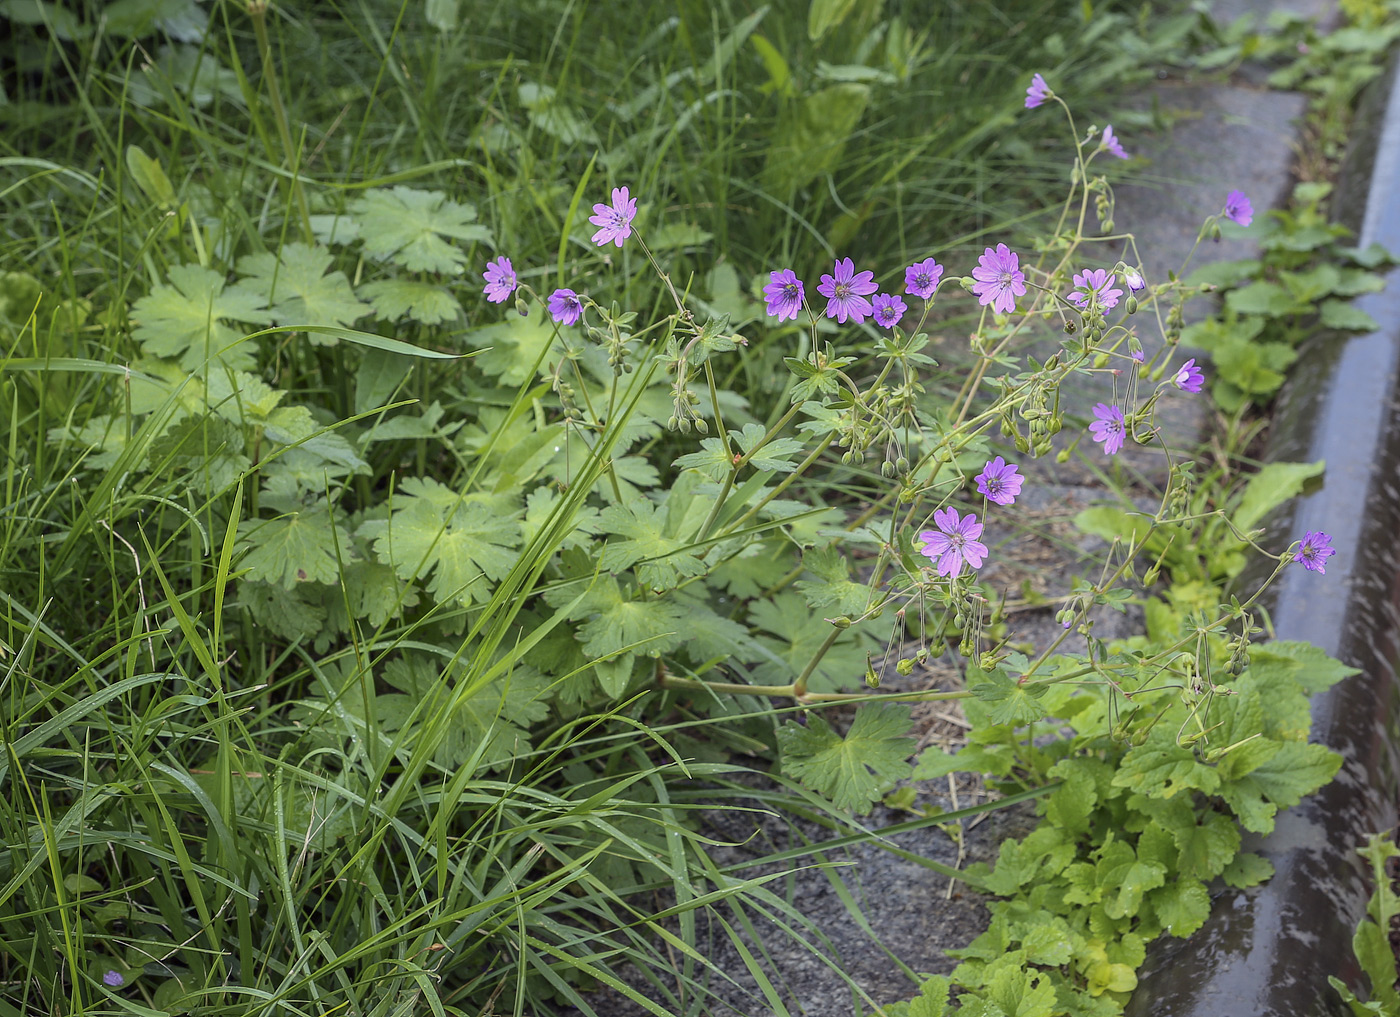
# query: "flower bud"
1108,225
905,667
1022,444
1062,456
901,465
701,426
887,470
673,423
1101,360
685,425
1131,304
521,307
967,282
840,622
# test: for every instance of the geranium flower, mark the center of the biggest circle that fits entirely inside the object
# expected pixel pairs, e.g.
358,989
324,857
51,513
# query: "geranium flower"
614,221
784,294
1097,284
846,292
888,310
954,542
1112,144
500,280
999,481
999,279
921,278
1109,428
1038,92
1315,551
1190,378
565,306
1238,209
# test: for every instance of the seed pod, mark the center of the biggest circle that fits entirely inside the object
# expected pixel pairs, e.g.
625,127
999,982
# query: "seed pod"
905,667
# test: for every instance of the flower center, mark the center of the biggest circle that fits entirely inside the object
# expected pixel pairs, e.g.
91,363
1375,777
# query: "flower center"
922,281
843,291
994,485
790,291
1005,279
956,541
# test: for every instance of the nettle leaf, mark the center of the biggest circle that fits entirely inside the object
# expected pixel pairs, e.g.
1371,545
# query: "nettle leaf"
465,541
300,291
393,299
641,526
408,226
187,319
1343,314
855,771
1010,701
294,548
833,588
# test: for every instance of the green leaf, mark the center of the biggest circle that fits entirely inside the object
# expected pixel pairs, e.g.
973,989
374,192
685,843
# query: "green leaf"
188,319
298,547
408,226
1291,661
932,1000
1011,702
376,593
855,771
772,457
1207,846
1273,485
1247,869
651,626
393,299
710,460
796,633
1297,769
285,613
441,14
1021,992
641,526
1343,314
832,589
1182,906
553,116
1161,768
824,15
378,377
465,541
299,289
516,344
812,135
149,176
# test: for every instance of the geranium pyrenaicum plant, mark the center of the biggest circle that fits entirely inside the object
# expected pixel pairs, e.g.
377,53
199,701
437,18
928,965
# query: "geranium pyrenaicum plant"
1098,286
888,310
954,542
565,306
500,280
614,221
784,294
1238,209
921,278
845,292
1109,428
999,279
1190,378
1112,144
999,481
1315,551
1038,92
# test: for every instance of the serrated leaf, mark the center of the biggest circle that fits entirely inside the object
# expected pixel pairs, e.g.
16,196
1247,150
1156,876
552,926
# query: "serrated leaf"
1247,869
649,626
855,771
393,299
1207,846
187,319
376,593
514,347
1308,666
1343,314
932,1000
300,289
1010,701
298,547
1296,770
710,460
796,632
639,535
1163,768
832,589
407,226
286,613
1021,992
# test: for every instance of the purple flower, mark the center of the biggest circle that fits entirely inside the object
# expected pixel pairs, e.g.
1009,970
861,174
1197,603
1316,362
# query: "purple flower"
565,306
846,292
1190,378
921,278
1109,428
1137,355
1134,279
113,979
955,544
1238,209
999,481
999,279
1097,284
1038,92
500,280
888,310
784,294
1315,551
1110,142
615,221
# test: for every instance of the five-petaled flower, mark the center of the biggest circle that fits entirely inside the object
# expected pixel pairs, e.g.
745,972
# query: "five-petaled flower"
113,979
1109,428
999,481
1038,92
1112,144
614,221
954,542
1315,550
999,279
565,306
921,278
500,280
1097,284
845,292
784,294
1238,209
1190,378
888,310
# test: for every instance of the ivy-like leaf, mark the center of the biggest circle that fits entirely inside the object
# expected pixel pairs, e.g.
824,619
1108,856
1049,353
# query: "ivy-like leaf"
187,319
300,291
855,771
408,226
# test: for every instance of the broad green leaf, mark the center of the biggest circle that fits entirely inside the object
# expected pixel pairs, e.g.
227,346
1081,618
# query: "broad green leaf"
298,547
710,460
149,176
285,613
299,289
1161,768
441,14
638,535
1343,314
408,226
796,633
1207,846
555,117
832,590
932,1000
1296,770
812,136
1273,485
515,347
393,299
378,377
824,15
188,319
1247,869
1011,702
1022,992
855,771
376,593
772,457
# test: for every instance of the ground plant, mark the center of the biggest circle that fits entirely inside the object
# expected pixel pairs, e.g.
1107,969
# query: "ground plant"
392,568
